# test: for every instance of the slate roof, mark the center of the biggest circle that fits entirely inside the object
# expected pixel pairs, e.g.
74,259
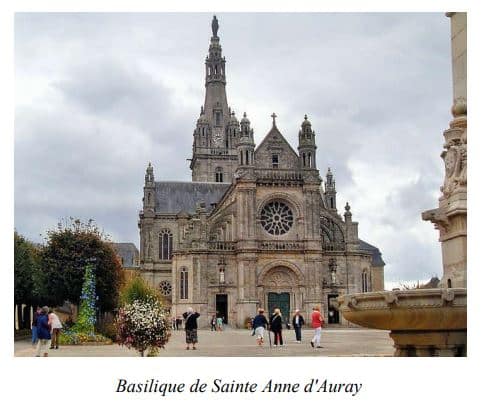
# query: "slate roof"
127,251
174,197
376,254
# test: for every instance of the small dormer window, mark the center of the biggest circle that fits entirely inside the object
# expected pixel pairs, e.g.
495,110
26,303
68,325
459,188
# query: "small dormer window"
275,160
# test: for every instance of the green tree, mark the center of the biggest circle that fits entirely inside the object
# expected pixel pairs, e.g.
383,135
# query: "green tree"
28,288
63,259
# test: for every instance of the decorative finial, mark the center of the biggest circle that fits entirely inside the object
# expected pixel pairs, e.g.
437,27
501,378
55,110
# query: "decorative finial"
232,114
347,208
244,114
202,110
305,116
273,115
214,26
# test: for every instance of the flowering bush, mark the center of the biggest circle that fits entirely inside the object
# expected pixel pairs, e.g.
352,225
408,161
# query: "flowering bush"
82,331
71,337
87,311
143,325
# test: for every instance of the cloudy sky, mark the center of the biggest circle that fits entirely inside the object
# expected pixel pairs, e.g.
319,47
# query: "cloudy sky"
98,96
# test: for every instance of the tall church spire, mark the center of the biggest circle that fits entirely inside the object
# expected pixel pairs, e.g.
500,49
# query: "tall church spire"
216,98
216,135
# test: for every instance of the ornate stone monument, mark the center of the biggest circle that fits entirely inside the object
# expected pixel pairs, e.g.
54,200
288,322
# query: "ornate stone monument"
432,322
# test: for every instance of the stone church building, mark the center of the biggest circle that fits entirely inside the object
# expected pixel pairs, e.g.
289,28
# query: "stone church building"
255,227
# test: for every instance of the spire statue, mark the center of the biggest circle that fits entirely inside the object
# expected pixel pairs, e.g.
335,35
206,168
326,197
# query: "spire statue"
214,26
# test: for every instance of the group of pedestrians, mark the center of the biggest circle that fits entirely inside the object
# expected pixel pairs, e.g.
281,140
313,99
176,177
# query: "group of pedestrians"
260,324
45,329
217,323
176,323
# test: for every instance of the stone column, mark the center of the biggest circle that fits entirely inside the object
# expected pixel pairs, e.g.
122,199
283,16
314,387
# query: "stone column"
450,217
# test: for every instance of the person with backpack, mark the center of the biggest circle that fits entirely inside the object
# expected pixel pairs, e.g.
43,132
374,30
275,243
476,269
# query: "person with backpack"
260,323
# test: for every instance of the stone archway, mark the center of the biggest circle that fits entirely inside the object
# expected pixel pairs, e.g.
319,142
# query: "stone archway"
281,287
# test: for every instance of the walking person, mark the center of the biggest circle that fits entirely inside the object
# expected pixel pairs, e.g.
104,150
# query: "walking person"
298,322
43,332
316,322
34,335
190,317
277,327
220,323
56,327
213,323
259,325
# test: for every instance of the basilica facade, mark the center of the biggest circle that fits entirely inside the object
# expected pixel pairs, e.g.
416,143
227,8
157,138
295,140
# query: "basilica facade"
256,227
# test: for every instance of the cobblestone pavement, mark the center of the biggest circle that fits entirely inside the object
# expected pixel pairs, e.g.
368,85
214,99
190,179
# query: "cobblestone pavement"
240,343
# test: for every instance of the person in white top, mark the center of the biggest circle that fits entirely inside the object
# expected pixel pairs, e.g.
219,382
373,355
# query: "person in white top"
56,326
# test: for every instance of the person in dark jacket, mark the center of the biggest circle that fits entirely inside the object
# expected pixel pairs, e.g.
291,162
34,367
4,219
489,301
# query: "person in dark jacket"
276,327
43,332
190,317
259,325
297,323
34,333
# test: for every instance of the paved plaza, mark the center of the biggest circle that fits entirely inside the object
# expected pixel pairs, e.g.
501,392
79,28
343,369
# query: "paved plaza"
240,343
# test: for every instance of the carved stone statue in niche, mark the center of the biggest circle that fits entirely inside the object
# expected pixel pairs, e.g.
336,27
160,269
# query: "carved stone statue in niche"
455,160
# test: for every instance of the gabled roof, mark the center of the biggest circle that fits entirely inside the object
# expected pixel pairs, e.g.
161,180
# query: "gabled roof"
376,254
174,197
269,139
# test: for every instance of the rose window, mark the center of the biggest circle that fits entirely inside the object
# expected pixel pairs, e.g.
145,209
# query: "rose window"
165,288
276,218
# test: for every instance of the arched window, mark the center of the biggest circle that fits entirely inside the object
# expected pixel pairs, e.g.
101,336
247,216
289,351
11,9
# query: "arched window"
219,176
365,287
309,163
184,283
165,245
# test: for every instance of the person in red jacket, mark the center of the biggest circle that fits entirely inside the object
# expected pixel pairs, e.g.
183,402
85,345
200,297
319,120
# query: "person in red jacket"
316,322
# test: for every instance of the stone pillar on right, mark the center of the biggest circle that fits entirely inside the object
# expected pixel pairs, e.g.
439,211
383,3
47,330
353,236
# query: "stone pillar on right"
450,217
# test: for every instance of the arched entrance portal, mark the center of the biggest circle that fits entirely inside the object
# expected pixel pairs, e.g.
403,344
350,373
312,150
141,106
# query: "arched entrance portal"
281,288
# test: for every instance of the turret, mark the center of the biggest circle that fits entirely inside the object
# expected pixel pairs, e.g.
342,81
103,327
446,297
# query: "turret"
307,145
149,189
330,192
246,144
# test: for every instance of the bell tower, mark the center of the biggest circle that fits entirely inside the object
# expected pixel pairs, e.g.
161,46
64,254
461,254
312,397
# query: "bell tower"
214,153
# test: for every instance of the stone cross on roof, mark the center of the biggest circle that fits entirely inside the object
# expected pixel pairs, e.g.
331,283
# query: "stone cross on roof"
273,115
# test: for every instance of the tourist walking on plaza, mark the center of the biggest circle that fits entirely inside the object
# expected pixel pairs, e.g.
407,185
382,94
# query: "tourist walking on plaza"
276,327
259,325
190,317
56,327
220,323
297,322
43,332
316,323
213,323
34,336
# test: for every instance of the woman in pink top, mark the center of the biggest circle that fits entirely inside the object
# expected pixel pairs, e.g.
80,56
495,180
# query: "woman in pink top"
316,322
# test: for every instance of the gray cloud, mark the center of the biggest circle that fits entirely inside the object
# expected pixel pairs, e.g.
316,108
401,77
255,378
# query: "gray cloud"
98,96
